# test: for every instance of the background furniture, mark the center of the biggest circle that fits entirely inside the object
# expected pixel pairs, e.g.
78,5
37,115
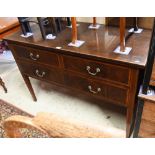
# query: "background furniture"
142,22
56,126
49,26
8,25
145,118
93,69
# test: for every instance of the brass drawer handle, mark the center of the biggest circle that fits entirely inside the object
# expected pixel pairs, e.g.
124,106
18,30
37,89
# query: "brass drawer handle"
89,68
40,74
92,91
34,57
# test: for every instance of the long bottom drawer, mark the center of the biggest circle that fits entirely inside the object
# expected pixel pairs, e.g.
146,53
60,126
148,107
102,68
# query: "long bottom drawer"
147,126
99,89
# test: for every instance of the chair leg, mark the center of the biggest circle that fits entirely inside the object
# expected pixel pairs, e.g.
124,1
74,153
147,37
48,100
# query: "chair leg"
3,85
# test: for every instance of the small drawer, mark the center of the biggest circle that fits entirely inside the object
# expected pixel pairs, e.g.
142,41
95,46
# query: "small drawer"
97,69
41,72
36,55
96,88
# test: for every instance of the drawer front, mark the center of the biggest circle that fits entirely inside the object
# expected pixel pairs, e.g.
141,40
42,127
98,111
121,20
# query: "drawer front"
149,111
41,72
147,129
147,126
117,94
36,55
96,88
97,69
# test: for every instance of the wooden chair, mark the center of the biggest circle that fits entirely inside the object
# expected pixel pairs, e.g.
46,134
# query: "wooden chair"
57,126
8,25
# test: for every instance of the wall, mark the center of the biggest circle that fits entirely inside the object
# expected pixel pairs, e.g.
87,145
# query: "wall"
100,20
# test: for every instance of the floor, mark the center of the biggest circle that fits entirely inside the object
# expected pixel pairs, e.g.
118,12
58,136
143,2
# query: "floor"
58,101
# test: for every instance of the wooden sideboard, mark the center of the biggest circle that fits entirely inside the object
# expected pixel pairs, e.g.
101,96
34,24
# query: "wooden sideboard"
92,69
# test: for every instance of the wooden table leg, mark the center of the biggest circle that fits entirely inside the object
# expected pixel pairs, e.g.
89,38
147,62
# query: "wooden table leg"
129,122
29,86
131,103
3,85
